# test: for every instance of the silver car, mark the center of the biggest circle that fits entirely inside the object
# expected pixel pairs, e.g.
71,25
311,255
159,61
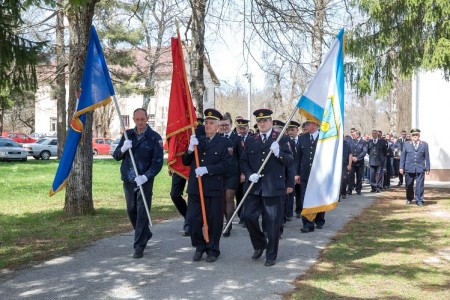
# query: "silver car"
114,146
10,150
44,148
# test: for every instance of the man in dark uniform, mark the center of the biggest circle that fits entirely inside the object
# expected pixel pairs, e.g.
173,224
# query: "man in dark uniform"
398,149
215,160
346,166
147,148
269,187
305,156
243,131
377,150
414,164
231,180
293,130
389,158
359,150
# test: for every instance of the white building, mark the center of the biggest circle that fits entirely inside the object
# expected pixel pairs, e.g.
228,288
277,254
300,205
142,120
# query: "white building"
430,110
46,114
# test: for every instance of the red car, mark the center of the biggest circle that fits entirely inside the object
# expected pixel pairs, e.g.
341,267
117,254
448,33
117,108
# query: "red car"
101,145
19,137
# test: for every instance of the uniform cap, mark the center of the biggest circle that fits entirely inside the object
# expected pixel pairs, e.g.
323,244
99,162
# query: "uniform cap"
293,124
242,122
212,114
278,123
262,113
415,131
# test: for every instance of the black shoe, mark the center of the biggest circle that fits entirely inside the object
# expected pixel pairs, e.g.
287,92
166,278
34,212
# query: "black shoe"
258,253
419,203
319,226
349,193
358,193
227,233
197,256
211,259
269,263
408,202
399,184
138,253
343,196
373,190
298,216
186,233
378,191
306,229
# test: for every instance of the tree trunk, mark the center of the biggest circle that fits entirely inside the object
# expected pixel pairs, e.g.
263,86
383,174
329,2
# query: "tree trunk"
317,34
197,53
78,200
61,123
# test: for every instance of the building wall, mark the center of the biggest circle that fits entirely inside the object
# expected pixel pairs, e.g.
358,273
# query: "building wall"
430,113
45,107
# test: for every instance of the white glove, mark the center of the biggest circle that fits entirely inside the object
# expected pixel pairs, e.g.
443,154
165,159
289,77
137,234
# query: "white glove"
254,178
275,147
192,143
126,145
140,180
200,171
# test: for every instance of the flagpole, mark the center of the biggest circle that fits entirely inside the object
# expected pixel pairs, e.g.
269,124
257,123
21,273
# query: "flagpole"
197,160
122,124
260,170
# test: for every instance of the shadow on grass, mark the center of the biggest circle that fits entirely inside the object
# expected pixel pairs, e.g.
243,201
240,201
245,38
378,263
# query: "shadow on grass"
33,237
389,245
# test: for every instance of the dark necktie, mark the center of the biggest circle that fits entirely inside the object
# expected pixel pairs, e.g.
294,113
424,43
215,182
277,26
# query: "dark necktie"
226,135
416,145
264,139
208,139
242,138
311,138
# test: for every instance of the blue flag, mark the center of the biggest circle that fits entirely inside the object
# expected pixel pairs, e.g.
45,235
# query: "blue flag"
96,90
323,102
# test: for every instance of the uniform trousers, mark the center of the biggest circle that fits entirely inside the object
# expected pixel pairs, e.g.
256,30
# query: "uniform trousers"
298,202
376,177
214,217
271,210
356,171
176,194
418,193
136,211
320,217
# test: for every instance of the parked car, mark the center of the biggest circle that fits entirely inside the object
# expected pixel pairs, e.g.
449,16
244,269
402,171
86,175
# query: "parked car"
44,148
19,137
101,145
114,146
10,150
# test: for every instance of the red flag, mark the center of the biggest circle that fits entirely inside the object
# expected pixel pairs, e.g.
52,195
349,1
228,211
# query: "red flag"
179,122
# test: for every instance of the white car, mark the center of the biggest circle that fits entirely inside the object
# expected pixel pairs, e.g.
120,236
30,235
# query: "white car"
44,148
10,150
114,146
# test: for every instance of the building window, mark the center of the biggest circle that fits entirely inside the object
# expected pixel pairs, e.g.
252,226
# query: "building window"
53,125
151,120
126,121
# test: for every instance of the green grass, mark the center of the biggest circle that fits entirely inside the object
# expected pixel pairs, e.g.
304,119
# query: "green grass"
33,226
391,251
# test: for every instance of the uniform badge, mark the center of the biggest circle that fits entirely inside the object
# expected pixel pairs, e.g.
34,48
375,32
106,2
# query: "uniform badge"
261,114
209,113
230,150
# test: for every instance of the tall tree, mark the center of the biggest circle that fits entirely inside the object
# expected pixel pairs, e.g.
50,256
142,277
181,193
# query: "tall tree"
61,63
78,198
393,39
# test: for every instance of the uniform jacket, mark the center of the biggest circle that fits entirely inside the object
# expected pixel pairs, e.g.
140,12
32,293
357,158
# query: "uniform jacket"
273,178
305,156
148,155
359,150
377,152
235,144
398,145
217,158
415,161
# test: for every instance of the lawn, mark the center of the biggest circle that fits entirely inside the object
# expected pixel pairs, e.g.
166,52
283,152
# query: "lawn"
33,226
391,251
